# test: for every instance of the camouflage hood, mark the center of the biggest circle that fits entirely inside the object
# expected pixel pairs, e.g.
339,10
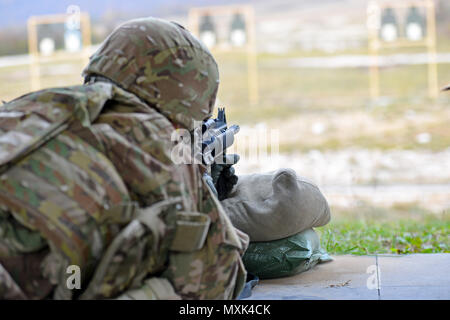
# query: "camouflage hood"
164,65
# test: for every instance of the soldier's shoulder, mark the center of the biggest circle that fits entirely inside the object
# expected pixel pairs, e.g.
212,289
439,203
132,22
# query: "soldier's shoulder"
75,91
29,120
127,112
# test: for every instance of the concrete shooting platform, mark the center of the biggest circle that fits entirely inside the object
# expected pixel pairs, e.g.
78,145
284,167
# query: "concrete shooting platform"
415,276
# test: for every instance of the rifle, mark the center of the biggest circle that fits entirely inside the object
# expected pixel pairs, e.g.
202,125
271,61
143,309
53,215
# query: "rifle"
217,137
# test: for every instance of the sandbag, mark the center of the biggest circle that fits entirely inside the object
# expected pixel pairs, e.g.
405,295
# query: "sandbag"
285,257
276,205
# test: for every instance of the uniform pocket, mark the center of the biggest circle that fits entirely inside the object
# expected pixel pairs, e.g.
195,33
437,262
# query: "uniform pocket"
191,231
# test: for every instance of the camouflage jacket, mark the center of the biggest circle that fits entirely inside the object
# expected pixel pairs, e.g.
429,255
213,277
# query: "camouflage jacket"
86,181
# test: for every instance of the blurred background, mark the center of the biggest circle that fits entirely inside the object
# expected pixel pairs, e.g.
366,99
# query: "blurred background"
346,92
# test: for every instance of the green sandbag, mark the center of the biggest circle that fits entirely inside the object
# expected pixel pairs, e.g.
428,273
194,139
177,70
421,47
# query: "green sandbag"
285,257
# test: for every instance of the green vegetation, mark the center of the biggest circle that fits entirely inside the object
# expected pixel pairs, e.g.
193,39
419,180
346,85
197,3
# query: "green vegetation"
427,234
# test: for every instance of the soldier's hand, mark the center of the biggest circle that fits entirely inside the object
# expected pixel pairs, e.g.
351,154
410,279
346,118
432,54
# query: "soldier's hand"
223,175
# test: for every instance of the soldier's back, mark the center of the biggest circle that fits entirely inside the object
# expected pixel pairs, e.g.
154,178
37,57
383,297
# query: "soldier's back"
80,165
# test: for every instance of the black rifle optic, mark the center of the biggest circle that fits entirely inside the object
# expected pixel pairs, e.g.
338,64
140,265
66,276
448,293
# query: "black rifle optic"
217,137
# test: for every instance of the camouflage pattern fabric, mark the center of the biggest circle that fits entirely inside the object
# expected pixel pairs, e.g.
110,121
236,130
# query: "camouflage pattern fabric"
86,179
164,65
216,271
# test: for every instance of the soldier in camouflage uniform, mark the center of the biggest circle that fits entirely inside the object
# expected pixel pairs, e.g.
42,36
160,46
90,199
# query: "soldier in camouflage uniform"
87,180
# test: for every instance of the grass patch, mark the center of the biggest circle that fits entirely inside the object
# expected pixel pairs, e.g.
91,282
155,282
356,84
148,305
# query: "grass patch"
429,234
